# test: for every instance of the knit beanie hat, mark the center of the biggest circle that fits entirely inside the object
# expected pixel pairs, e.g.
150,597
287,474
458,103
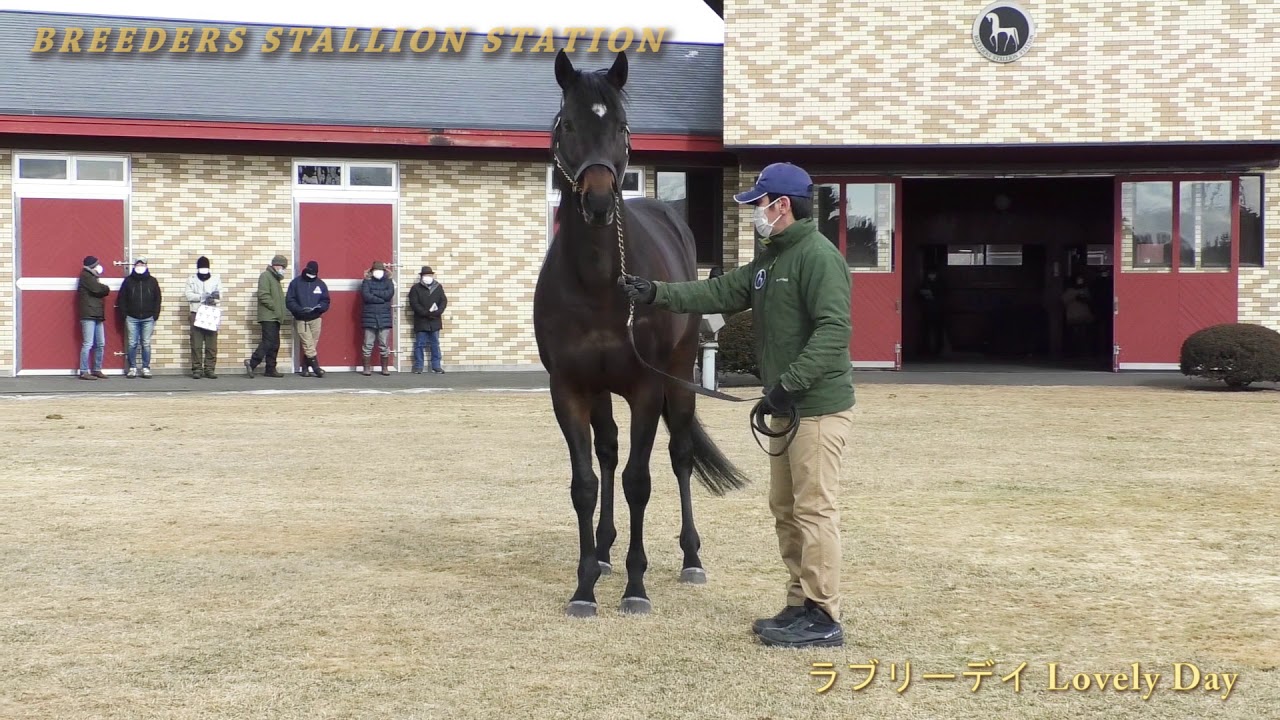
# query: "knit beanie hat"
90,261
203,262
312,267
280,260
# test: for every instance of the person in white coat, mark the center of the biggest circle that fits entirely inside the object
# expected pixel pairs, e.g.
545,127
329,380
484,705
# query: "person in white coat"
204,288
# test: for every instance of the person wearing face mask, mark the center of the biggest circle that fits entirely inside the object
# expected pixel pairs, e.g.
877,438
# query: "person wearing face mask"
91,295
139,300
428,301
203,288
307,300
798,290
272,313
378,291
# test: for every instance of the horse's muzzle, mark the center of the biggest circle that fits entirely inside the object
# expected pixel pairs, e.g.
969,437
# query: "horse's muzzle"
598,184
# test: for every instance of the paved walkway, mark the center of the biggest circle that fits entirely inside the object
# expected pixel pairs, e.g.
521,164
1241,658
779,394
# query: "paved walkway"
536,381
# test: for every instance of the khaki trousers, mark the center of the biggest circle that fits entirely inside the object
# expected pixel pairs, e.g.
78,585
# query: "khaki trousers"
309,334
804,483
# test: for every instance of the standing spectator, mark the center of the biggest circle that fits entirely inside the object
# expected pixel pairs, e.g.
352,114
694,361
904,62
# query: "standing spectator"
139,299
932,295
91,296
377,291
307,300
271,314
428,301
204,288
1079,317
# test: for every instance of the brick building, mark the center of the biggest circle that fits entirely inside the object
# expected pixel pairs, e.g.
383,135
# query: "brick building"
1010,147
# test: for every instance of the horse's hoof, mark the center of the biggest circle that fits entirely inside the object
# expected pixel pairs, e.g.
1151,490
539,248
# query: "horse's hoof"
580,609
605,568
693,576
635,606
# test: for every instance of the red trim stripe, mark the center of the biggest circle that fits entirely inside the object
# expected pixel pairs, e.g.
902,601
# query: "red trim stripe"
275,132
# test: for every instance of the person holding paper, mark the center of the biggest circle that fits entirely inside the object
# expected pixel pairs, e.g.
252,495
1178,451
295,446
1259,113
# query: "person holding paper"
204,289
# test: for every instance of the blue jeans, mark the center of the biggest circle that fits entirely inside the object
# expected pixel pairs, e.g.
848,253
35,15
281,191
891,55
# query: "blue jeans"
139,333
94,337
420,342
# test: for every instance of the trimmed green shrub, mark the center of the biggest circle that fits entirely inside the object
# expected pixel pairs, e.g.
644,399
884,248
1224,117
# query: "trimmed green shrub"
737,353
1235,353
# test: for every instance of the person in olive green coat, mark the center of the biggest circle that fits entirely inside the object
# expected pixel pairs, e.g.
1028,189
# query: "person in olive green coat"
798,290
271,314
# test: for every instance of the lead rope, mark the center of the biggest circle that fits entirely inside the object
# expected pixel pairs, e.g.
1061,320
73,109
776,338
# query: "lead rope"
756,421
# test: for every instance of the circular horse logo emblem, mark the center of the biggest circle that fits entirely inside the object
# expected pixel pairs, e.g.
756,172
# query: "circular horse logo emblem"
759,278
1003,32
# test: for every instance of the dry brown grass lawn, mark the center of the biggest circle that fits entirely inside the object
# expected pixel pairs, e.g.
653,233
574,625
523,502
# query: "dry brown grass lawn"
409,556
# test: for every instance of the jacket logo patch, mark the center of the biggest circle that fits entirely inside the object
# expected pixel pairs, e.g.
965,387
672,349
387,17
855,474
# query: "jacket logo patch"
759,282
316,291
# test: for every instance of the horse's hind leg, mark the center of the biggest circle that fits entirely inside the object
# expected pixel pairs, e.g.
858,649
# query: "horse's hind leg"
679,414
606,432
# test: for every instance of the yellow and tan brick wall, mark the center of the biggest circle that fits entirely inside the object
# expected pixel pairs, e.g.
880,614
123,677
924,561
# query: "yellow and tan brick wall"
482,227
838,73
8,320
236,211
1260,287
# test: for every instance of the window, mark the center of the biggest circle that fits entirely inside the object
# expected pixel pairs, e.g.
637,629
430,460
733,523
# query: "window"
1147,213
338,174
632,186
1004,254
1204,232
696,194
673,190
1251,220
867,229
42,169
72,169
1099,255
965,255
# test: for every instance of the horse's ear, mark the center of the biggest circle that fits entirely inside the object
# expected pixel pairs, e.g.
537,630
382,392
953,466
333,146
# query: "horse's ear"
617,75
565,73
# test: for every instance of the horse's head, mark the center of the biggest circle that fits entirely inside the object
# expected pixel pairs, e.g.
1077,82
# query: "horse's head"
590,142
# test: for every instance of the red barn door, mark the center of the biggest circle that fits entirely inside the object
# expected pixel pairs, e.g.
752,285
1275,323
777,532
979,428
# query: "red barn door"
862,217
345,238
1177,267
54,237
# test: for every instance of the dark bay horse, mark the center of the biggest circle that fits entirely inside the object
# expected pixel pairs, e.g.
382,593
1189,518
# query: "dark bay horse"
580,321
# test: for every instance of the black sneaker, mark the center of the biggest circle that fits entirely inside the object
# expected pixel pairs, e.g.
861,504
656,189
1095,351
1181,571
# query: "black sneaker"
815,628
788,615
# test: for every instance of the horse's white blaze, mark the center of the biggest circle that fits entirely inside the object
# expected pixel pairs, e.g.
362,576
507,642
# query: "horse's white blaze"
598,109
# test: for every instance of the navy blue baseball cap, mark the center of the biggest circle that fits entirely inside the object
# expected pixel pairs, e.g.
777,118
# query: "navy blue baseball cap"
778,179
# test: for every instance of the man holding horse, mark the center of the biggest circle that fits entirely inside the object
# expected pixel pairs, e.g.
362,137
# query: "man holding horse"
799,291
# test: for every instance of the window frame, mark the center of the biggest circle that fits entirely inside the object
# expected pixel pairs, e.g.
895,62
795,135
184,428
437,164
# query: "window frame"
1262,217
1176,181
345,186
72,162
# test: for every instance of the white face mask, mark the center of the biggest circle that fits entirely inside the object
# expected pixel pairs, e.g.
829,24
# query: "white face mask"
310,276
428,279
97,269
377,274
763,225
202,273
278,270
140,269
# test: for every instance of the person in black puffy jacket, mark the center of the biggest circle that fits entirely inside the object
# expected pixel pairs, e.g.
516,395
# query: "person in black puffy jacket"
139,300
378,293
307,300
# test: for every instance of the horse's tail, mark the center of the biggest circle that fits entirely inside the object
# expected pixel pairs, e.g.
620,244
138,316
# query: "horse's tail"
713,469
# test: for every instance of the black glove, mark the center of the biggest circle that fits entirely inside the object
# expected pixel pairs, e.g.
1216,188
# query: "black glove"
638,289
778,401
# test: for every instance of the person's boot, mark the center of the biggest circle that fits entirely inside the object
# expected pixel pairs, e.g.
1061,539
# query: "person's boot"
209,373
306,367
272,372
788,615
315,367
385,360
366,372
814,628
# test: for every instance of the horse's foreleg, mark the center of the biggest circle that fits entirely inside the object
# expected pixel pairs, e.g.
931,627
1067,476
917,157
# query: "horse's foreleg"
680,408
646,410
573,413
606,434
